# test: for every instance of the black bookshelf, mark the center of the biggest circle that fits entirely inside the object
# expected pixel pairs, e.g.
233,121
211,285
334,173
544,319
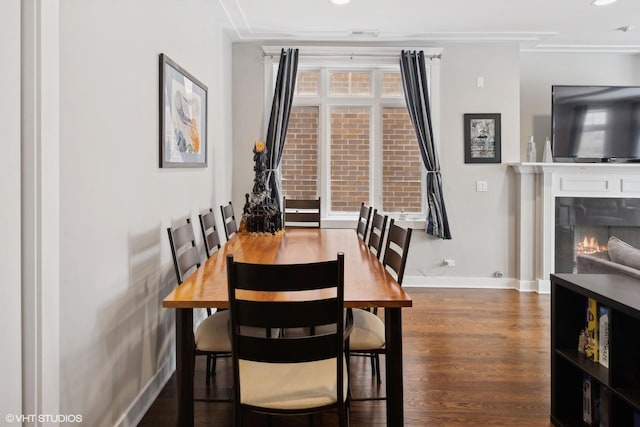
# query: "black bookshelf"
621,380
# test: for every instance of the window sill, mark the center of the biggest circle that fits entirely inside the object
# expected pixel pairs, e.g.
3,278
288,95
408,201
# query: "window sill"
413,222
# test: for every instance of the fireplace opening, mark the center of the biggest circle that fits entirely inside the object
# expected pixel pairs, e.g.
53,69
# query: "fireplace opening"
584,225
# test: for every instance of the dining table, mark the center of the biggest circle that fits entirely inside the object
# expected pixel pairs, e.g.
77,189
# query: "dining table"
367,284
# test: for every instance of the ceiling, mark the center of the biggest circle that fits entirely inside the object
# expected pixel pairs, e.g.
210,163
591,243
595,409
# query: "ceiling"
545,25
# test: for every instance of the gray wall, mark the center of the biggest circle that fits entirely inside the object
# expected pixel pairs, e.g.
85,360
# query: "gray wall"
516,85
476,218
116,341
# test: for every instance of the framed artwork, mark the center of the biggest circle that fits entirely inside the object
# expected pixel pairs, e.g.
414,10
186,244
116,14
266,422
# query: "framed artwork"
482,138
183,117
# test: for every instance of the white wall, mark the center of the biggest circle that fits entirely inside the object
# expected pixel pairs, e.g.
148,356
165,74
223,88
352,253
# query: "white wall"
539,71
10,313
115,338
482,223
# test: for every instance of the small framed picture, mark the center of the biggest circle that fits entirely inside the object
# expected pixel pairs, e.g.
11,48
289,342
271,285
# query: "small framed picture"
183,117
482,138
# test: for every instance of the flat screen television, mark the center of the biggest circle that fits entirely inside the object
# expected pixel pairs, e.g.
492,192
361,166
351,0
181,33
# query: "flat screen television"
595,123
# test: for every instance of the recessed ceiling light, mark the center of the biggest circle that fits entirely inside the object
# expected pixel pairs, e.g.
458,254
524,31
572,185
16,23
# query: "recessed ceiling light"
341,2
602,2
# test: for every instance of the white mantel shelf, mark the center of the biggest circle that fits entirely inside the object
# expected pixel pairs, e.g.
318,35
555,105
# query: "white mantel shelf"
539,185
575,167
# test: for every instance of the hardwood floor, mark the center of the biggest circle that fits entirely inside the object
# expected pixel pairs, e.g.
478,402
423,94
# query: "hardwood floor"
471,358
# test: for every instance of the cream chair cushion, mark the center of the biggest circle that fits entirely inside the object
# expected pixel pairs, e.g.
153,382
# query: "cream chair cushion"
290,385
212,334
367,332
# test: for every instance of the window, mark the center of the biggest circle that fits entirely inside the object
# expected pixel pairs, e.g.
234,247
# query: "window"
350,139
593,132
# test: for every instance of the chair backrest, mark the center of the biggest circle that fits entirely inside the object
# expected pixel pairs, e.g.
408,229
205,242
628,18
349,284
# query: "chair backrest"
363,221
301,213
183,249
277,304
228,220
397,249
209,232
376,236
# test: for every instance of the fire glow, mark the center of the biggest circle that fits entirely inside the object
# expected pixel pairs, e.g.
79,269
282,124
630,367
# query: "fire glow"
589,245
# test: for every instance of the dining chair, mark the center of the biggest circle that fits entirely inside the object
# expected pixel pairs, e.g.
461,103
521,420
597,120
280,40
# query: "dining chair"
376,235
301,213
363,221
211,336
228,220
368,334
210,235
289,375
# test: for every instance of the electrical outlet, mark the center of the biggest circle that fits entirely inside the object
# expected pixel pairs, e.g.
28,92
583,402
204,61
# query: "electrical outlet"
449,262
482,186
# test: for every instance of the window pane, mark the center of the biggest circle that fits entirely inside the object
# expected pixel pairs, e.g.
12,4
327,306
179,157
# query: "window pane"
391,84
349,83
338,83
307,83
360,83
300,155
350,132
401,163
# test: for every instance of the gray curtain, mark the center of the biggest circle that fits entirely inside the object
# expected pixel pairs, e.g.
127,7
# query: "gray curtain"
416,93
279,119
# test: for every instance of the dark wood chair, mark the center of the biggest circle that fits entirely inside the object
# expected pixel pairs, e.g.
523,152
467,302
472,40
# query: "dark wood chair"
229,221
376,235
368,335
363,221
211,336
285,375
210,234
301,213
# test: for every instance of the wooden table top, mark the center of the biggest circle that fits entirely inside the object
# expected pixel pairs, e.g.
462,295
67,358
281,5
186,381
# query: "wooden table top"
367,283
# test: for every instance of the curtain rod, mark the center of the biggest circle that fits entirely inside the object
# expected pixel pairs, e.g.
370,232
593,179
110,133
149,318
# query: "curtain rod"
350,55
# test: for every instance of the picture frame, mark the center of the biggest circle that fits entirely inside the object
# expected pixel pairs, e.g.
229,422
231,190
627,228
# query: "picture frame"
482,138
183,117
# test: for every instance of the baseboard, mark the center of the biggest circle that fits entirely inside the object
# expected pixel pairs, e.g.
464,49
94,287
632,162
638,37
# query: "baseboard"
476,283
143,401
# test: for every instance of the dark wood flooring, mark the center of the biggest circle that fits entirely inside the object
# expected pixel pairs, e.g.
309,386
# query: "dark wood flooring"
471,358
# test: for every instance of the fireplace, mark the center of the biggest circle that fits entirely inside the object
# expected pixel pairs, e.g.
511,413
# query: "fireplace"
542,186
584,225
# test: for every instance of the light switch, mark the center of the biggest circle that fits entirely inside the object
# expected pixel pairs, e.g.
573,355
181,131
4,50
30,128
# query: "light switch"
481,186
480,81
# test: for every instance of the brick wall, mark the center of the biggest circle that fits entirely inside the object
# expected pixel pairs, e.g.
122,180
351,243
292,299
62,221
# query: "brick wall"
300,155
350,129
401,162
349,83
307,83
392,84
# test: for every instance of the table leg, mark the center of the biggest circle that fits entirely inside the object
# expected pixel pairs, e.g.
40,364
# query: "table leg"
395,397
185,358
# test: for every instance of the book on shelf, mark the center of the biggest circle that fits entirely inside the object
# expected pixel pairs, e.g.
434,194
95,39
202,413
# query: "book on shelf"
603,407
591,339
591,402
603,335
587,407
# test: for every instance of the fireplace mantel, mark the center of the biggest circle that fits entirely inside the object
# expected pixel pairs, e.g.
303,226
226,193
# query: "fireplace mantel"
539,185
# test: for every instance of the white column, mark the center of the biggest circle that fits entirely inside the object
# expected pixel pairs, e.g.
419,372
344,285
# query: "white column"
527,230
10,307
546,247
40,208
